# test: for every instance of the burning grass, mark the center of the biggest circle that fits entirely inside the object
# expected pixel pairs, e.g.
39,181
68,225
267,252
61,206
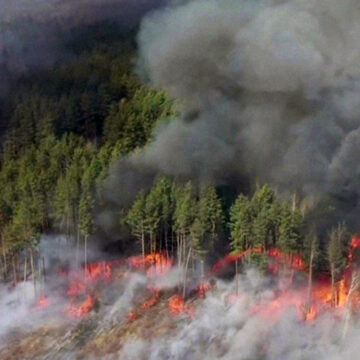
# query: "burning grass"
154,311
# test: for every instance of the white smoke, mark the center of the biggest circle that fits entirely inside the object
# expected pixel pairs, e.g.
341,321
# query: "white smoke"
222,330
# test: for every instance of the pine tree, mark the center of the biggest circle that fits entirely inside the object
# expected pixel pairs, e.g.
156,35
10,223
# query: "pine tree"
136,219
241,217
153,215
86,218
208,218
290,231
263,204
183,217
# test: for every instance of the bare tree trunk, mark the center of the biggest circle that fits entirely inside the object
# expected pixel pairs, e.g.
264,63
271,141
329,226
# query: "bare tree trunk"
25,267
151,243
184,248
355,285
178,248
14,270
333,290
167,241
154,242
185,272
5,270
310,281
77,247
33,268
85,255
43,272
40,272
237,276
143,244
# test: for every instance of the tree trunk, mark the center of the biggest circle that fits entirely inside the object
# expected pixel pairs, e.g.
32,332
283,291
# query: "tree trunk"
77,248
44,271
178,248
184,248
310,279
185,273
333,290
166,241
14,270
237,276
25,267
33,274
85,255
5,270
143,244
355,285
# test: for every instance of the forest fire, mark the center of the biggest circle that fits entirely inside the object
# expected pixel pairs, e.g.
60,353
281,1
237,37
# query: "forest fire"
308,302
82,283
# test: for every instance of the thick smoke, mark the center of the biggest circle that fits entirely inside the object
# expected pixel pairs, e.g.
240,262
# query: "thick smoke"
269,90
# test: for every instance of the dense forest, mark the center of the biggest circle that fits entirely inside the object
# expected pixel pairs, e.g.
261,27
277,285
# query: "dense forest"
63,129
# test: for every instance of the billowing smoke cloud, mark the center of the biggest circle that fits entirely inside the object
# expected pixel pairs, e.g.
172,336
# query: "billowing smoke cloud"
269,89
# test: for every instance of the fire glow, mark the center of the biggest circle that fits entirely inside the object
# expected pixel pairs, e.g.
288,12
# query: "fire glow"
83,289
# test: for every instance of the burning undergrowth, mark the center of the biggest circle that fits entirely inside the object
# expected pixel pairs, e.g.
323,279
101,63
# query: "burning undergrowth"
147,307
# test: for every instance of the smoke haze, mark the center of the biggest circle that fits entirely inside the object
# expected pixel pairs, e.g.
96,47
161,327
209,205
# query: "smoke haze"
227,331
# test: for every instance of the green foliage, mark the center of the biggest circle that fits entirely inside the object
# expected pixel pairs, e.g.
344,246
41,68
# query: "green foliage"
55,157
136,217
263,221
290,230
241,217
185,209
260,261
209,217
131,121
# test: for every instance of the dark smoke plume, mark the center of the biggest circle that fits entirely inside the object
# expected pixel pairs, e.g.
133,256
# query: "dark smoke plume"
270,90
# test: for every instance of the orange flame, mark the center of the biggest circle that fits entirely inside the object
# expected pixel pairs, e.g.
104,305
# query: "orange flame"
84,308
294,261
178,306
152,301
156,264
98,270
42,303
